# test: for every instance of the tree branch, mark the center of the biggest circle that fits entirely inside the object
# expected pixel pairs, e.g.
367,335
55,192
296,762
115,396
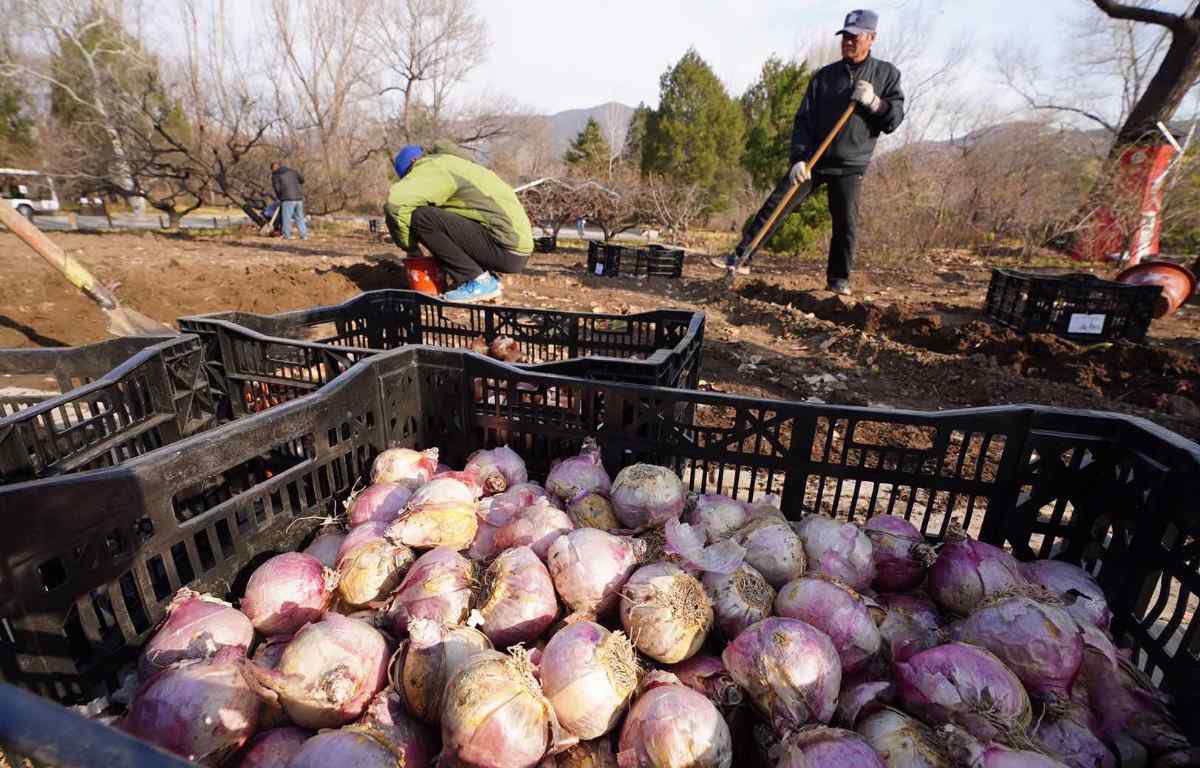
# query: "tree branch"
1125,12
1075,110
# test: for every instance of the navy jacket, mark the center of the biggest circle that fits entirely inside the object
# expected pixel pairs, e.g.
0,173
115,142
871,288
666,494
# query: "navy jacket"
826,98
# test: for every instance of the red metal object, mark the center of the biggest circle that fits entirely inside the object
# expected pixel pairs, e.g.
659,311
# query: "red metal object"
424,275
1142,181
1178,283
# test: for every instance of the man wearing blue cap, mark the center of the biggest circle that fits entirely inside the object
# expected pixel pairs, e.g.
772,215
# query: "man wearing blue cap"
468,218
874,87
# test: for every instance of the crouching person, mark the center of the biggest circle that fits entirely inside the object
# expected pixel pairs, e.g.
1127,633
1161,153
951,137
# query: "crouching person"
464,214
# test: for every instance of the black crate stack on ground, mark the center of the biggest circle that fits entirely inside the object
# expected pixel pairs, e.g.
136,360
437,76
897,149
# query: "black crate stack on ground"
258,361
1078,306
113,400
545,244
84,581
611,260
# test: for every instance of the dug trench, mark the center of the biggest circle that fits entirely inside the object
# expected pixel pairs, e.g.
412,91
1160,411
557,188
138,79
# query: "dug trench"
912,337
1160,378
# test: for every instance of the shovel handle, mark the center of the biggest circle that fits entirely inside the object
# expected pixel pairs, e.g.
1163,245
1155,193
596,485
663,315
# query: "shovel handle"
55,257
787,198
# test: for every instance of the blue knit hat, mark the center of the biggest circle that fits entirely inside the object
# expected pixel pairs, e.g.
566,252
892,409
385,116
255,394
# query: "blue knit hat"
405,159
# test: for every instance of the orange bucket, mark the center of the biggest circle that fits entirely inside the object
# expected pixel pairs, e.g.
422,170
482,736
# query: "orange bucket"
424,275
1178,283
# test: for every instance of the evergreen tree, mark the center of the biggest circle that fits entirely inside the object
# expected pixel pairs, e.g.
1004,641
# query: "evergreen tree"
631,153
108,94
589,150
97,68
16,128
770,106
696,134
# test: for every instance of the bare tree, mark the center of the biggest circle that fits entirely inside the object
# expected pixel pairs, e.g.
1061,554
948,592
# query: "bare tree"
551,203
230,128
675,207
932,74
98,88
326,74
427,48
818,50
615,125
614,205
1132,67
526,151
1177,73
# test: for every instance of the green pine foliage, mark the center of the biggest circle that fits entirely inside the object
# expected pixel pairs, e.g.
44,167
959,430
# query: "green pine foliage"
769,106
16,127
635,138
589,152
696,134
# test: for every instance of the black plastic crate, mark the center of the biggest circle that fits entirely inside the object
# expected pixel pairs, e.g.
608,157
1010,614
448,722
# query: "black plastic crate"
545,244
83,581
611,260
258,361
1076,306
68,409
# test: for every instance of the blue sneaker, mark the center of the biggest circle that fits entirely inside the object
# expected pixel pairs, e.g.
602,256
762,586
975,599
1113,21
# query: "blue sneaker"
482,288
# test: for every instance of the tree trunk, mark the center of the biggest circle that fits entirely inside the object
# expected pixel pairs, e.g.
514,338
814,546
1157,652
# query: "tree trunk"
1180,68
1178,71
253,214
121,172
408,112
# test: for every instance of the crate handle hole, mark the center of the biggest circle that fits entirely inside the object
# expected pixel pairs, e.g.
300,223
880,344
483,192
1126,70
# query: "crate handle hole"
52,573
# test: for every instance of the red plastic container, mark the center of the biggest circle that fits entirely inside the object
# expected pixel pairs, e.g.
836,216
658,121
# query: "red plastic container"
424,275
1178,283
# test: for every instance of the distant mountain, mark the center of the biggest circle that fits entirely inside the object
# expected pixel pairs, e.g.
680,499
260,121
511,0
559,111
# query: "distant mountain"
1013,134
567,125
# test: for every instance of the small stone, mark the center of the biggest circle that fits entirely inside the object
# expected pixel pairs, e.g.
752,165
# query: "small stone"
847,397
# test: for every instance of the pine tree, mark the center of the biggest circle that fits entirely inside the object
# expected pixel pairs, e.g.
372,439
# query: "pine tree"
589,151
631,154
696,134
770,106
16,128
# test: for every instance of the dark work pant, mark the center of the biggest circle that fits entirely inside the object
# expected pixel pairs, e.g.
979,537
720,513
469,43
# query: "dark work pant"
463,248
843,209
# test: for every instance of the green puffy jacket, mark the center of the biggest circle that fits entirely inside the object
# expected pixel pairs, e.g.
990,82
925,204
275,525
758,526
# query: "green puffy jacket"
460,186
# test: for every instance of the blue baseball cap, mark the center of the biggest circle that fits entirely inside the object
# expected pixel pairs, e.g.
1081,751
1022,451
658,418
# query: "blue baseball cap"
858,22
405,159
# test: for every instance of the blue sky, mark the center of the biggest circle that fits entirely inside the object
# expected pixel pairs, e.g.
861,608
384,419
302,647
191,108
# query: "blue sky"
560,54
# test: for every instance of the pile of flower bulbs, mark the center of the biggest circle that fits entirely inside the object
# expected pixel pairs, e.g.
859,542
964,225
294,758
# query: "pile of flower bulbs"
475,618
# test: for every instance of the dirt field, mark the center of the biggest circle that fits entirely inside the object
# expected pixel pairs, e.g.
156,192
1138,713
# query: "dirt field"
912,336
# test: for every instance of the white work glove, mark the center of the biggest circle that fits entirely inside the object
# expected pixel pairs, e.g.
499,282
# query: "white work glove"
799,173
864,94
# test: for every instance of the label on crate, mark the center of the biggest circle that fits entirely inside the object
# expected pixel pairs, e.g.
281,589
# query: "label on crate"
1081,323
599,268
